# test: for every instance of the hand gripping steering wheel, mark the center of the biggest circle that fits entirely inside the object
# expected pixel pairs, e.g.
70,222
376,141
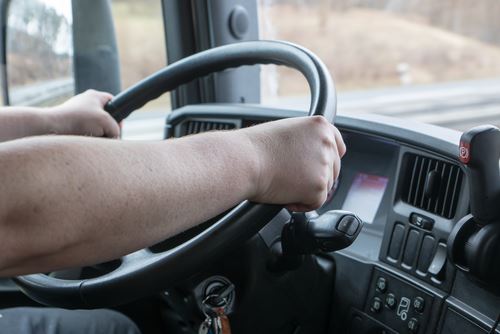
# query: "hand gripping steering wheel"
145,272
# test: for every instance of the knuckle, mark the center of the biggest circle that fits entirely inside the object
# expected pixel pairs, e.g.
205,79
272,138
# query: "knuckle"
105,120
319,120
327,140
325,161
321,183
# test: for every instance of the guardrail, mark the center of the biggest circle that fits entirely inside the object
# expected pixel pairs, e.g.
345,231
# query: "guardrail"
42,93
459,105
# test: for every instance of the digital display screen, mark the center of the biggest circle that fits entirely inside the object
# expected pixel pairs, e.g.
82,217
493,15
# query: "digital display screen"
365,195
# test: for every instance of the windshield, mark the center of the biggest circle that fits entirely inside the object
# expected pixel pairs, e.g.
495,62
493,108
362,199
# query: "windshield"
426,60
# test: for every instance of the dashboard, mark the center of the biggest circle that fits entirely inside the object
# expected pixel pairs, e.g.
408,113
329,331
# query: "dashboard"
405,182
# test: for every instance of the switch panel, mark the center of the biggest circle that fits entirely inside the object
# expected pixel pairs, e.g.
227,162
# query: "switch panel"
398,305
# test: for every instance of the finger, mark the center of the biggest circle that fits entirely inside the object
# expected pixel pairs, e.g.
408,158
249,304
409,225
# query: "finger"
330,181
293,207
113,131
335,161
298,208
111,128
102,97
105,97
314,202
342,149
331,170
336,167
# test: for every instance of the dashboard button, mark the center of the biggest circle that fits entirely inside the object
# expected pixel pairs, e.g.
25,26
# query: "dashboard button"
353,228
426,253
376,305
421,221
382,284
396,241
419,304
411,248
413,325
438,264
390,301
348,225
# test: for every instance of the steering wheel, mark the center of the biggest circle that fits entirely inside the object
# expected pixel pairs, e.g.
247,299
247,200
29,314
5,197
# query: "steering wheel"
144,272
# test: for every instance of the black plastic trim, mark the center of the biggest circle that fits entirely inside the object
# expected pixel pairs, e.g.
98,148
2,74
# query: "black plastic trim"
432,138
4,7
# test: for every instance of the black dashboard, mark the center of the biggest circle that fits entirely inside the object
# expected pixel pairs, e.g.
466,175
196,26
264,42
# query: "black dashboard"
406,183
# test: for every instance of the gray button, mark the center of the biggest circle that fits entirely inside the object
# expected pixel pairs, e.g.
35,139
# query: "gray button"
390,301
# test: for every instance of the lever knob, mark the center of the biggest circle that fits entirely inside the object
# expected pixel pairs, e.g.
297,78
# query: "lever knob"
333,230
479,153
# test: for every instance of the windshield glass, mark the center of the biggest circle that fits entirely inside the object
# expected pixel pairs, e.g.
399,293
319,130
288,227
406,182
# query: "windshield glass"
426,60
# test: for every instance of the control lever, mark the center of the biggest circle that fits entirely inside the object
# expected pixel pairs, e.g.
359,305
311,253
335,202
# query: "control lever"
474,242
302,235
479,153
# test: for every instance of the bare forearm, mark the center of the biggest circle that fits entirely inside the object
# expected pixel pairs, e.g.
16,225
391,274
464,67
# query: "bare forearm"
19,122
72,201
81,115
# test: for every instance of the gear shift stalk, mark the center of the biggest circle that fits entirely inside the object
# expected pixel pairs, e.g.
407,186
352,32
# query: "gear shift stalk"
474,242
480,152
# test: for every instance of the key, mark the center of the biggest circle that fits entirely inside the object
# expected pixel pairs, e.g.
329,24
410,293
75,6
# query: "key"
219,319
206,326
216,321
223,321
217,326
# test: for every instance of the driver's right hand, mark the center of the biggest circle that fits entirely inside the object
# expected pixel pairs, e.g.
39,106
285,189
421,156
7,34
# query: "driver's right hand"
298,159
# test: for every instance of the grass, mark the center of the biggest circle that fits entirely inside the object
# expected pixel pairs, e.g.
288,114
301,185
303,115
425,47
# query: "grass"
141,43
364,48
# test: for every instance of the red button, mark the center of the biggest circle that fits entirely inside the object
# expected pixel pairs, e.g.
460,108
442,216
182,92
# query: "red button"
464,153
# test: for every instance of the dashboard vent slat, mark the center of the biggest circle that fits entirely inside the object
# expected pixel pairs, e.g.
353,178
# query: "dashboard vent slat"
411,194
432,167
440,195
198,126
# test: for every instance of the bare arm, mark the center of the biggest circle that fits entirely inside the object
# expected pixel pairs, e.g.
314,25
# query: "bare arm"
80,115
71,201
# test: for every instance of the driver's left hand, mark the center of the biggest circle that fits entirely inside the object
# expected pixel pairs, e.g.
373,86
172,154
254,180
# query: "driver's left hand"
84,115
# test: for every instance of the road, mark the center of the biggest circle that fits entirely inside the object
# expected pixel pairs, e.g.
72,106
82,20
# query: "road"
459,105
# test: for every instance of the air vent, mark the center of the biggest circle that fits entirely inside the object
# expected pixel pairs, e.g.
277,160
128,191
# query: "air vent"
251,122
432,185
198,126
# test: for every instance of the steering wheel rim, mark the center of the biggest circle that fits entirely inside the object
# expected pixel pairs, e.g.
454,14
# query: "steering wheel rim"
143,269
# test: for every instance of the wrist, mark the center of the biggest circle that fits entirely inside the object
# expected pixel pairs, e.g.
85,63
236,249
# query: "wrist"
240,157
256,162
56,122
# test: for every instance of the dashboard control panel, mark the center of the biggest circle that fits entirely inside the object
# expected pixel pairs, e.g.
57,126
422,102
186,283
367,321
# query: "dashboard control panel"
407,186
397,304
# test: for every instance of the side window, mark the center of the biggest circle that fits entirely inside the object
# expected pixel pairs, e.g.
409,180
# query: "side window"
51,52
140,36
39,53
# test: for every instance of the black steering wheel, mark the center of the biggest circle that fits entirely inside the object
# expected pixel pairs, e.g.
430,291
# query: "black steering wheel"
144,272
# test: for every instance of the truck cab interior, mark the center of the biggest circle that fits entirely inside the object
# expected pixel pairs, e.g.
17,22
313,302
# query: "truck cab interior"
408,240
